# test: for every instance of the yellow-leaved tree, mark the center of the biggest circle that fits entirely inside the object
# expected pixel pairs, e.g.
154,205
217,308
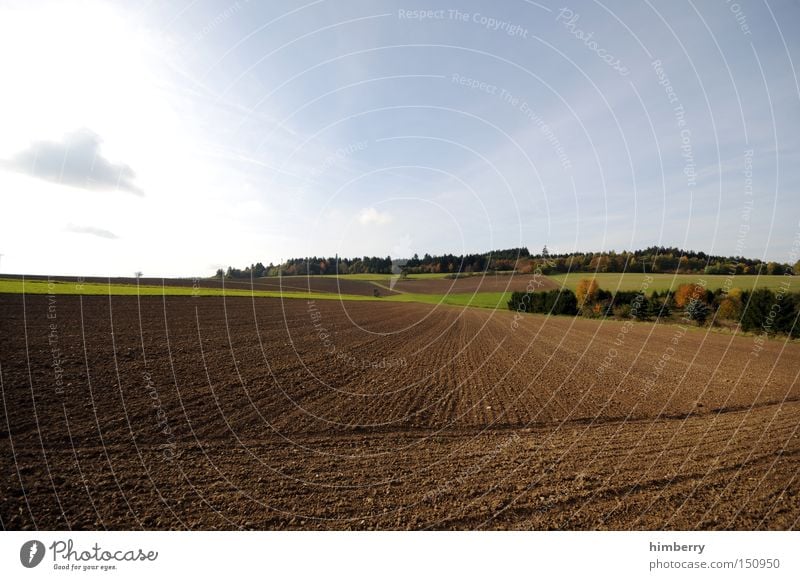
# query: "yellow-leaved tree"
688,292
587,291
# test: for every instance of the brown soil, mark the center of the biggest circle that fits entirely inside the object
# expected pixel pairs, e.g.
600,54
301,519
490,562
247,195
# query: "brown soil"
207,413
312,284
479,283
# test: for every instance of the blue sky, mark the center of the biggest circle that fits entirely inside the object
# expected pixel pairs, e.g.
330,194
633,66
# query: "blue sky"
178,137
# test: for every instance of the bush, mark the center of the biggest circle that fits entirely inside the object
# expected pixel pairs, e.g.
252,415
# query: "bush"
520,302
625,297
789,323
765,310
729,309
595,310
735,293
563,302
640,307
757,305
622,311
552,302
698,311
660,307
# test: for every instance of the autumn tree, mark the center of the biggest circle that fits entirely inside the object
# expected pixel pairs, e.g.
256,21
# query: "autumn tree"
599,263
587,291
729,309
688,292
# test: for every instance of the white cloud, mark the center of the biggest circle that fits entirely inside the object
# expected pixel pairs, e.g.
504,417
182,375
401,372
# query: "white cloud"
92,231
75,161
370,215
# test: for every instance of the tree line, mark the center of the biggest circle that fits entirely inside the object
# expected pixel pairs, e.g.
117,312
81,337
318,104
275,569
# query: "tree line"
655,259
498,260
762,310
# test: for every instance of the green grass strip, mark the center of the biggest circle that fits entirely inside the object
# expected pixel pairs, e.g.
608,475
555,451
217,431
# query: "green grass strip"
17,286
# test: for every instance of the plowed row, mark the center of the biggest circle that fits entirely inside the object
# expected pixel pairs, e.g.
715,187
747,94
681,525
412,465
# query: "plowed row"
207,413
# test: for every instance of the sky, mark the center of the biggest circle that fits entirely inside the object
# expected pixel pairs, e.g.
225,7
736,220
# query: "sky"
175,138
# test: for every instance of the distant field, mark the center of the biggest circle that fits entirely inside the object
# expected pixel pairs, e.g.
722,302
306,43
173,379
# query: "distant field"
368,277
17,286
630,281
477,300
386,277
363,277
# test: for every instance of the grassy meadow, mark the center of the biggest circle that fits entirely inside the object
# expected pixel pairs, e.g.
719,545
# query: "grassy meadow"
18,286
613,281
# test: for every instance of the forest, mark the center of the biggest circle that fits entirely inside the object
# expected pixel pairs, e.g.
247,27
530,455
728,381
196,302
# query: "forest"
655,259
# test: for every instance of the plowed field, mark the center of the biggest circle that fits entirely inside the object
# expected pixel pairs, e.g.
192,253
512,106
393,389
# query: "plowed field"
209,413
488,283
